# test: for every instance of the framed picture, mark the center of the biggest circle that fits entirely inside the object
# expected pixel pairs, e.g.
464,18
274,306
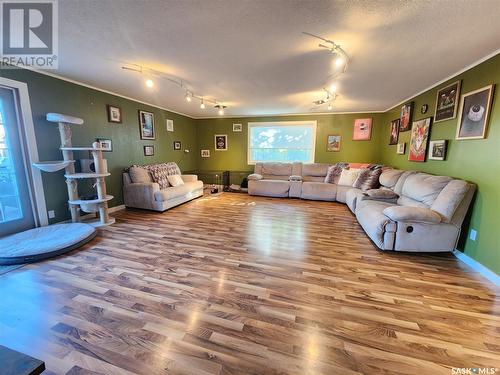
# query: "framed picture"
149,150
405,117
333,143
220,142
114,114
106,144
401,148
147,124
237,127
437,150
362,129
419,139
447,102
393,139
170,125
205,153
474,113
177,145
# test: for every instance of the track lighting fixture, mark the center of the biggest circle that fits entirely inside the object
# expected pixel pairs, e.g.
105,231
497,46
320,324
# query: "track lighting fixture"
190,95
330,106
333,88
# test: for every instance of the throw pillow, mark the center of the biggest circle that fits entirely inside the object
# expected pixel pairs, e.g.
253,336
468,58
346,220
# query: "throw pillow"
159,174
172,169
175,180
255,177
139,174
334,171
368,179
348,177
381,193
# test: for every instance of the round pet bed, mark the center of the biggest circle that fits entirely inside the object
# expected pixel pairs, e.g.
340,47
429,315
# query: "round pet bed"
44,242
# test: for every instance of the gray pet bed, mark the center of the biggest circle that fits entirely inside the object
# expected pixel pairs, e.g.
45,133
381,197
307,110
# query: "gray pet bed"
45,242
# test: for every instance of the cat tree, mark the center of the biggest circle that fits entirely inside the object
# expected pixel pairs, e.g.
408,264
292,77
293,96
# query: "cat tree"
98,205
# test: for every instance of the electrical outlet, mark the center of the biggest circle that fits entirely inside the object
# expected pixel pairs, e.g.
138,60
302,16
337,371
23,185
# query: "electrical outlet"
473,234
52,214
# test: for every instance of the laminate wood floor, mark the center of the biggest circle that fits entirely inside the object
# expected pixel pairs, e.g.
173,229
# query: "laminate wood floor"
233,284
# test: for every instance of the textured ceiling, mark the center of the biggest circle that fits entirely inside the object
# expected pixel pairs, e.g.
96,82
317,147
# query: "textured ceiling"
253,56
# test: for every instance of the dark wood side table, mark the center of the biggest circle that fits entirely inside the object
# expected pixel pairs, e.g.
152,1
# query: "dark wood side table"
15,363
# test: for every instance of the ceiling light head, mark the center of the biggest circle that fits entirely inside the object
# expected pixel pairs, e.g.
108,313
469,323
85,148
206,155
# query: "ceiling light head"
220,107
330,106
188,97
333,87
339,61
202,105
149,83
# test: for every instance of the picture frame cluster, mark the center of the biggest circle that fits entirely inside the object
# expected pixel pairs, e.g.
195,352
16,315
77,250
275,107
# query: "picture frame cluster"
471,109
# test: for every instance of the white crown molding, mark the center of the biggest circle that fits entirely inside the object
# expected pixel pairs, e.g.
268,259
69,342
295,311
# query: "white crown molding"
289,114
478,267
62,78
473,65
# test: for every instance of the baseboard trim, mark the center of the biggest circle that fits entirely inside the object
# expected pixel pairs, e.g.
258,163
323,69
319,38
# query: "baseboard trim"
116,208
478,267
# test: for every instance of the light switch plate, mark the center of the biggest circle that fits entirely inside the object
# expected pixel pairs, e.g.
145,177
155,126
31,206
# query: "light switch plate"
52,214
473,234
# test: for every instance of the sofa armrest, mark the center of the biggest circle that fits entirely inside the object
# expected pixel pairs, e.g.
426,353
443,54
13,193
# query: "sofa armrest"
141,192
255,177
415,214
189,177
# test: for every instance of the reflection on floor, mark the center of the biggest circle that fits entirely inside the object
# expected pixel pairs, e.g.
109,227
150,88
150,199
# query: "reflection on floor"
232,284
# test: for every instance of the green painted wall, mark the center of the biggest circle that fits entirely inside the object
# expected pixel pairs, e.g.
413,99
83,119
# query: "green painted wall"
235,158
477,161
49,94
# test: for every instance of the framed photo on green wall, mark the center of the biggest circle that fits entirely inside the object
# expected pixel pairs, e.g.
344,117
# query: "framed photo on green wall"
333,143
447,102
147,125
220,142
474,113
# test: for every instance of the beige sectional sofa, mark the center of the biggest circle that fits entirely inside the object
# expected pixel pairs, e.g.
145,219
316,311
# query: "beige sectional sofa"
425,214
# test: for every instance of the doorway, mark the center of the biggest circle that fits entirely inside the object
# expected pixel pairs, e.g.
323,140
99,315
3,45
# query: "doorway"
16,202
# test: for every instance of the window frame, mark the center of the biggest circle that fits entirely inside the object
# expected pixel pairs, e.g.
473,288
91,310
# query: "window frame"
311,123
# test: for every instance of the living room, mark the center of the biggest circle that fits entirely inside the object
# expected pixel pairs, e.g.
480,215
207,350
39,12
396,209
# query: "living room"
250,187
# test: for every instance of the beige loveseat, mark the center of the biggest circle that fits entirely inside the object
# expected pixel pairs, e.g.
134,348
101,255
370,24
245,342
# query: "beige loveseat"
425,214
146,194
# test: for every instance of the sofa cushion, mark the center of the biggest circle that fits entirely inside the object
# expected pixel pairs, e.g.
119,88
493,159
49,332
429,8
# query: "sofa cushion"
413,214
348,177
389,177
351,198
371,217
177,191
450,198
277,169
139,175
424,188
172,168
341,193
318,191
315,170
175,180
159,174
269,188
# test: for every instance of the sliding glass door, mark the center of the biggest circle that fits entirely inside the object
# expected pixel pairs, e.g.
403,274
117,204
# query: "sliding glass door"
16,212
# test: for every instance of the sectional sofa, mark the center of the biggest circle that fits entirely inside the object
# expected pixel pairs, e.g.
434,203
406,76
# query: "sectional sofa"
410,210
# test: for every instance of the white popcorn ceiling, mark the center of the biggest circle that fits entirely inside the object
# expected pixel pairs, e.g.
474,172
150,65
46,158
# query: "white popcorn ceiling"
252,54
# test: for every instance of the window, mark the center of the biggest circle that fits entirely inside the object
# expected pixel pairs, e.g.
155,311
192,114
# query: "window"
284,141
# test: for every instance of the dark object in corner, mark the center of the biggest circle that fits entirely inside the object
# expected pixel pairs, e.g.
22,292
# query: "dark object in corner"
18,363
244,183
